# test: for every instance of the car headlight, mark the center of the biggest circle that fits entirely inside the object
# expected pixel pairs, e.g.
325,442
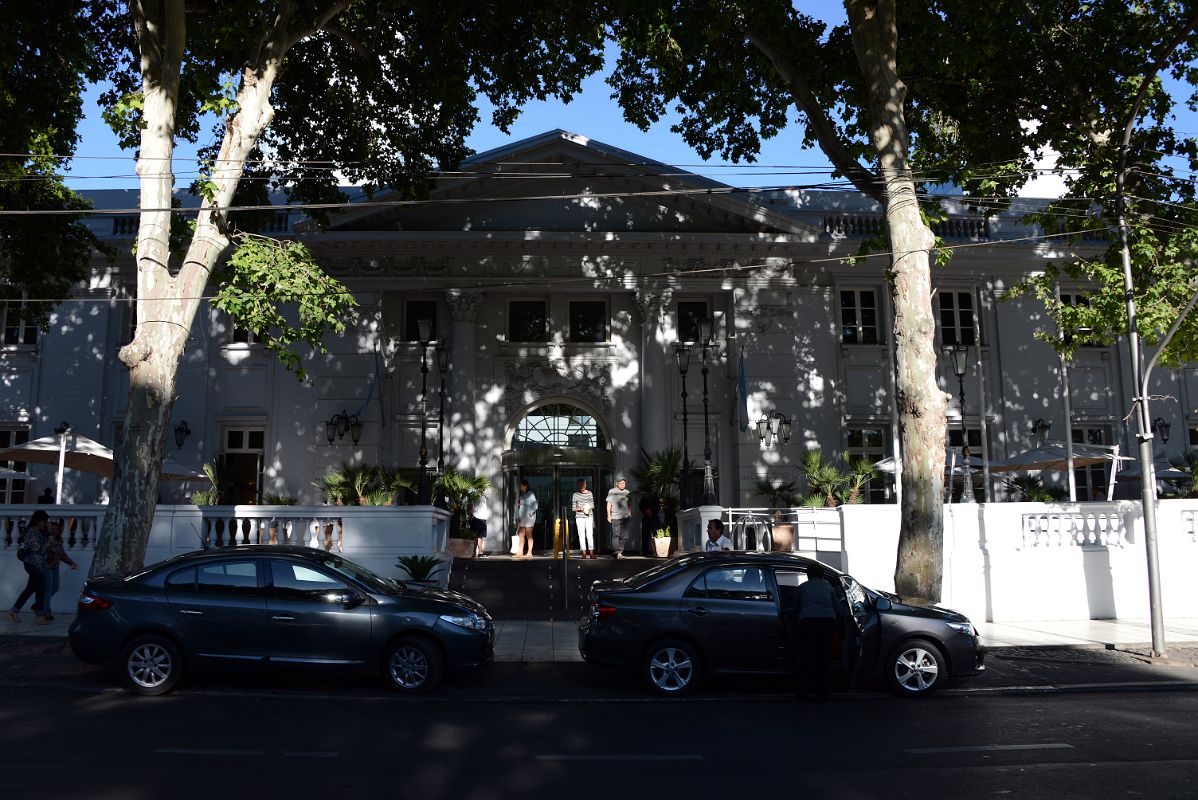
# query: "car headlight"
962,627
469,621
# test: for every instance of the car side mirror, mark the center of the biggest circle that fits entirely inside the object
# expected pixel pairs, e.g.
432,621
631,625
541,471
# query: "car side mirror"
352,600
882,604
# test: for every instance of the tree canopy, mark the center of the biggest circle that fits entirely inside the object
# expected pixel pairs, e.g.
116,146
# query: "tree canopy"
45,54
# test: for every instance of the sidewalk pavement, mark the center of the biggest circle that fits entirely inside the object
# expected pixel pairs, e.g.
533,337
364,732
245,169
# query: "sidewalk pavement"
543,641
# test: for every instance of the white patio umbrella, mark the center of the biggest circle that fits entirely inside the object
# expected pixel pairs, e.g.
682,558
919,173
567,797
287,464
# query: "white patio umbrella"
952,464
84,454
1160,465
1052,456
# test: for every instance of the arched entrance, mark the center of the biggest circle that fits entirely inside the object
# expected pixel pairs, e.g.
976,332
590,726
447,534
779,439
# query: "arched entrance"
551,446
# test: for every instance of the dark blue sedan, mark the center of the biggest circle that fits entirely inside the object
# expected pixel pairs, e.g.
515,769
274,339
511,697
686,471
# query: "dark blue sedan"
265,606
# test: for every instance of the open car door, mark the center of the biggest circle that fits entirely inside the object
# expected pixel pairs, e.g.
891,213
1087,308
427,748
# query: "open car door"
861,632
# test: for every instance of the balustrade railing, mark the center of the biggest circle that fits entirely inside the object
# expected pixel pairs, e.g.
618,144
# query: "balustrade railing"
842,226
1074,528
230,526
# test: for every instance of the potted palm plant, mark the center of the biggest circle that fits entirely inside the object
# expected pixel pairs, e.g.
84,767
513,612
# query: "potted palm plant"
461,492
659,475
780,496
420,568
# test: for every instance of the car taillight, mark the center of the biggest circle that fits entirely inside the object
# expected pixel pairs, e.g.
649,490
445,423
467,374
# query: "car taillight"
93,602
602,611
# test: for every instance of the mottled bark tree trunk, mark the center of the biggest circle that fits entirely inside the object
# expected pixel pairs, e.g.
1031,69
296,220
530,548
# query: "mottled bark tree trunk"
922,405
167,298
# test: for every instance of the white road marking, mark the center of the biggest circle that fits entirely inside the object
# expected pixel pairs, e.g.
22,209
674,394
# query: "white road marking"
986,748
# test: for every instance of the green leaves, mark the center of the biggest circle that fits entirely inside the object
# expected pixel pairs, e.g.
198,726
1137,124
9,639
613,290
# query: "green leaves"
263,278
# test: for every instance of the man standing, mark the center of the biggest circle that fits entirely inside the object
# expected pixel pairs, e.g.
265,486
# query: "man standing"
716,540
619,514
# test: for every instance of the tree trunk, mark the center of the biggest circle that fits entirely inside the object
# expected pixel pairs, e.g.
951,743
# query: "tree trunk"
167,301
922,405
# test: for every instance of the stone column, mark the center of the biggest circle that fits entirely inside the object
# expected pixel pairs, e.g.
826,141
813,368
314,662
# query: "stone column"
462,414
656,402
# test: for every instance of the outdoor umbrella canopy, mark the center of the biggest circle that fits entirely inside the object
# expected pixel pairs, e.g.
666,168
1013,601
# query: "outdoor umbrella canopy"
85,455
1052,456
975,464
1160,465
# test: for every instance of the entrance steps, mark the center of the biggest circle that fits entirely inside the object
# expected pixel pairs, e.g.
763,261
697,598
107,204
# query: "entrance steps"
540,588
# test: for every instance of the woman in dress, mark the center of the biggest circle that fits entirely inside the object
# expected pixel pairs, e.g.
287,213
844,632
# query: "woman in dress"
526,518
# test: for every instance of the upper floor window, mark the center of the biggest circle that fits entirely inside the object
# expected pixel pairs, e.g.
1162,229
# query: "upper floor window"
588,321
690,314
414,312
527,321
859,316
125,226
957,323
17,330
1078,299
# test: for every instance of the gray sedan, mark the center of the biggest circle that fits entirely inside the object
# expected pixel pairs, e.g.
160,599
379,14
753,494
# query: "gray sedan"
728,612
263,606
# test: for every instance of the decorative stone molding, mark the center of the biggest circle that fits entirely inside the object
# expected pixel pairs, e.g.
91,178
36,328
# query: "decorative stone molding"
652,303
539,379
464,303
765,318
385,266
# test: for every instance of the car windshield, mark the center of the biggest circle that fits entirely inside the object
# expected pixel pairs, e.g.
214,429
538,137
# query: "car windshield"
641,578
373,582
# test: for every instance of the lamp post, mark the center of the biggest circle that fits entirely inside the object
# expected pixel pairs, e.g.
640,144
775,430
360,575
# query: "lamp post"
959,356
706,328
773,426
62,430
442,369
425,331
682,352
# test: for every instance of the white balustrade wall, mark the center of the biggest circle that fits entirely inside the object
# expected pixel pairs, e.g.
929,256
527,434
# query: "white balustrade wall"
1003,562
373,536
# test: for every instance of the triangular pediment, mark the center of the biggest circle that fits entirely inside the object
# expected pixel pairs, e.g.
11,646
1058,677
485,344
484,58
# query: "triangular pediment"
563,182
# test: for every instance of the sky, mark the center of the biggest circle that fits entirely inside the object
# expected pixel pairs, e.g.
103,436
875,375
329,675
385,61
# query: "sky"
100,164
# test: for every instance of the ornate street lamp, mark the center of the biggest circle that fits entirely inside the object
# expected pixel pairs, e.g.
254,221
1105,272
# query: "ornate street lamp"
342,423
425,331
1162,428
706,328
959,356
1040,429
442,369
773,426
182,431
683,353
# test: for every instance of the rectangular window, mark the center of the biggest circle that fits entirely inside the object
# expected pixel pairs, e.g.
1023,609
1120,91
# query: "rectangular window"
690,314
414,311
527,321
1193,437
971,436
12,490
588,321
871,443
17,331
1077,299
1091,481
859,316
956,318
240,468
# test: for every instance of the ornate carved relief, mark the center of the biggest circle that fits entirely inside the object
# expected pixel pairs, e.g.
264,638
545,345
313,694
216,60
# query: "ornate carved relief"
385,266
528,380
770,318
464,303
652,303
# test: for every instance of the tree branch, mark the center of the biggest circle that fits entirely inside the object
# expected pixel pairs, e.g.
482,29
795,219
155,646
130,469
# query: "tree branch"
817,118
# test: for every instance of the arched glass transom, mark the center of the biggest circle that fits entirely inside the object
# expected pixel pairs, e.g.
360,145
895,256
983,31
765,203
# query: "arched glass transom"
558,425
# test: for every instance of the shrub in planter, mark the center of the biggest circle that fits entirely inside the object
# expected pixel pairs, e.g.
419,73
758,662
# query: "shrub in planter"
419,567
462,492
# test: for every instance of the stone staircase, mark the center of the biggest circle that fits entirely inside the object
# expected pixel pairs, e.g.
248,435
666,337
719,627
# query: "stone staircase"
540,588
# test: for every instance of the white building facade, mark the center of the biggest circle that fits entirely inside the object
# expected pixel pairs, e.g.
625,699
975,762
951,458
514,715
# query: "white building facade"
558,274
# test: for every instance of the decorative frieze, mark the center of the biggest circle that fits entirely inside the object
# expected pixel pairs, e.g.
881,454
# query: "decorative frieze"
652,304
528,379
464,303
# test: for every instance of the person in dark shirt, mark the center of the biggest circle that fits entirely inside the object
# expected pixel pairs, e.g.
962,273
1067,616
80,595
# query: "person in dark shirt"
816,603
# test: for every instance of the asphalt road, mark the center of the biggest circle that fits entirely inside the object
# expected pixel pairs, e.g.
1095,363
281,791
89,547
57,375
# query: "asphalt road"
221,742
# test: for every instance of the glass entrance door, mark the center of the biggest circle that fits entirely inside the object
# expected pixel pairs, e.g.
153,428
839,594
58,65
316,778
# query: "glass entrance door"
554,487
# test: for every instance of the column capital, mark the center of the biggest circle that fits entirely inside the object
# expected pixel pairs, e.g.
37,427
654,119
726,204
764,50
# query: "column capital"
652,302
464,303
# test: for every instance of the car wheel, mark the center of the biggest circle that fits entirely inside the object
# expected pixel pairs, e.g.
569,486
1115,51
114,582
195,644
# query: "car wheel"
150,665
671,668
917,667
413,665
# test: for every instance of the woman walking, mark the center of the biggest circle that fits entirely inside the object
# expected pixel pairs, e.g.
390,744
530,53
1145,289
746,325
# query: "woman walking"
526,518
55,554
32,550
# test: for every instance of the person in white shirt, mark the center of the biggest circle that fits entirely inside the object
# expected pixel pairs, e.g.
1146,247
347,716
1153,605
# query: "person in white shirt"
716,540
583,504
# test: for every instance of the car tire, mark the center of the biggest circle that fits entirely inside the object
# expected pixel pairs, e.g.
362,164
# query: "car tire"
916,668
150,665
671,668
413,665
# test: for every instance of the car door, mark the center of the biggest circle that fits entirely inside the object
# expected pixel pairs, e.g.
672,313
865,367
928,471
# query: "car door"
732,612
862,631
220,608
316,616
